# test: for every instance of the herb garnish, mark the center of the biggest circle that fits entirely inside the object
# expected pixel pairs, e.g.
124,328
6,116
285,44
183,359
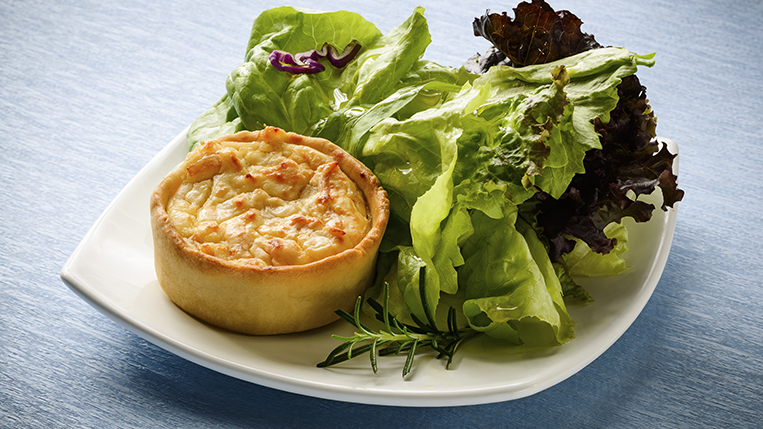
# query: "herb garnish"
397,337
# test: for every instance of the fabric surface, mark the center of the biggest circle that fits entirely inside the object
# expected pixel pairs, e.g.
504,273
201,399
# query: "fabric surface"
91,91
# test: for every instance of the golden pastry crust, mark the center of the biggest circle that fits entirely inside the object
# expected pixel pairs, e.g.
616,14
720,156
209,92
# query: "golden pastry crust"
240,283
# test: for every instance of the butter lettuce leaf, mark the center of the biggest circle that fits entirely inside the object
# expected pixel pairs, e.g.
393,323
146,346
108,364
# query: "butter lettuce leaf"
584,262
512,290
219,120
339,104
264,95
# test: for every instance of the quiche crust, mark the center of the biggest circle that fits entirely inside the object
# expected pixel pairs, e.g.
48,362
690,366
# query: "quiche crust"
268,281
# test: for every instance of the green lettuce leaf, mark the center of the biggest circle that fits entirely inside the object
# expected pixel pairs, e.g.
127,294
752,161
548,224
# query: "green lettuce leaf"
263,95
512,290
341,105
429,138
584,262
218,120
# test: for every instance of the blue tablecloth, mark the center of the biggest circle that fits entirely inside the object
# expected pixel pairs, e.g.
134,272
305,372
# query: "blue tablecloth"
91,91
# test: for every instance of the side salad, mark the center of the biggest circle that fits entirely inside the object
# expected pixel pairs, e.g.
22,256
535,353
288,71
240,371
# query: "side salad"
507,176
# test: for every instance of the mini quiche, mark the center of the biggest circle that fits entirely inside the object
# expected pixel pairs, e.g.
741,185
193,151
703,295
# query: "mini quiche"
267,232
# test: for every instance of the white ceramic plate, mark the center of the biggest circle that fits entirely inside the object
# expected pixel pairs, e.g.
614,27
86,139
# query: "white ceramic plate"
113,270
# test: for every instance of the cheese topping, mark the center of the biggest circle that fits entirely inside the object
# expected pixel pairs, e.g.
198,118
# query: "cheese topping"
267,203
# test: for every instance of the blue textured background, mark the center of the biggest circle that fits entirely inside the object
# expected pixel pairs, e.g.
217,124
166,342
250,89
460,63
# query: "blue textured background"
91,91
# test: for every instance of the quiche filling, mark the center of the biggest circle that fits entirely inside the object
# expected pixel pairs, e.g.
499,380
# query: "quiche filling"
267,203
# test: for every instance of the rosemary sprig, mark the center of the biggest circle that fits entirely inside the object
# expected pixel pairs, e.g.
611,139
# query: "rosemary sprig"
397,337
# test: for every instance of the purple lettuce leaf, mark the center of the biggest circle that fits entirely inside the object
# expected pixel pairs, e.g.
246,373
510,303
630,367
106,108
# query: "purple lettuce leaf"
629,160
536,35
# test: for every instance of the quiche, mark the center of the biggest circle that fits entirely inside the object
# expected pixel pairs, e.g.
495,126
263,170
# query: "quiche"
267,232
